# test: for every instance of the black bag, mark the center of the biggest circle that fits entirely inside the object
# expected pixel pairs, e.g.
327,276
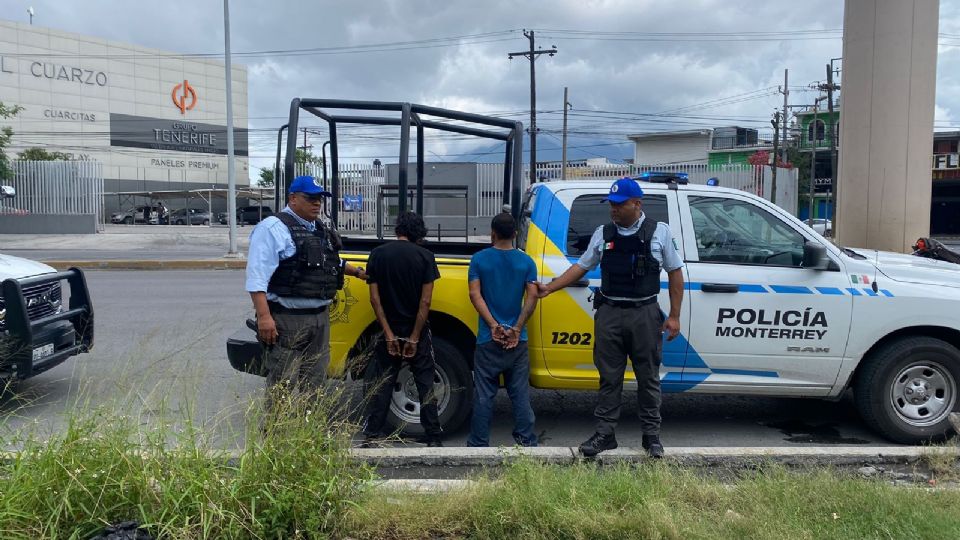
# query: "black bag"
932,249
127,530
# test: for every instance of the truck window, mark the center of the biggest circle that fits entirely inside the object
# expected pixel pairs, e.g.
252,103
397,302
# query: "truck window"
525,210
734,231
589,212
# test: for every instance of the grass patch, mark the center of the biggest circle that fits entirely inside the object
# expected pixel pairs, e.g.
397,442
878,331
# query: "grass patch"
942,460
536,501
292,479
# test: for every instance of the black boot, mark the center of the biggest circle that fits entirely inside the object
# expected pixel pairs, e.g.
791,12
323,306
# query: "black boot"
598,443
651,443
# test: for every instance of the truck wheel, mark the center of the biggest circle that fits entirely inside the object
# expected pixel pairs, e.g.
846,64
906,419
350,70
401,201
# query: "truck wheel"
907,389
206,222
128,220
453,383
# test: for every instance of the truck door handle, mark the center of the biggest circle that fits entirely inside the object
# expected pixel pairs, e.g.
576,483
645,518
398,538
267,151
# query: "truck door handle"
581,283
720,287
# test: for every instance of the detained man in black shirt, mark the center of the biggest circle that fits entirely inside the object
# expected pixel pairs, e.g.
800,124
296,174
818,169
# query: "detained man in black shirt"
401,276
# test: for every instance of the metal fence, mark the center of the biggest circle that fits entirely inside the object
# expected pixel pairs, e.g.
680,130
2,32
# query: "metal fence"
56,187
360,184
752,179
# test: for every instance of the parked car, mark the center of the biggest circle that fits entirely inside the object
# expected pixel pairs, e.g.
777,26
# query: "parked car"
139,214
253,214
821,226
197,217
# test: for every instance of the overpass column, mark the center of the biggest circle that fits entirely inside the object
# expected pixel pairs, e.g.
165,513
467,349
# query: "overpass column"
886,124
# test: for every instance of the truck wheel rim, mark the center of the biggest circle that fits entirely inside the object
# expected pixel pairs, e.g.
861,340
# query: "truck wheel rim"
406,402
923,393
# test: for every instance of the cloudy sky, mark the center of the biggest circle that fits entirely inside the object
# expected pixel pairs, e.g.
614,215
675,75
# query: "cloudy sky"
632,66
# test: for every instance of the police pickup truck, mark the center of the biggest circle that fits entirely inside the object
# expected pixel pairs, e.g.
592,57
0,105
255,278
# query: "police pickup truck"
771,307
37,330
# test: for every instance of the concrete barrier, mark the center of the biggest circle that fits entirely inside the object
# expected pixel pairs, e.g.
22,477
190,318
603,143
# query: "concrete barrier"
48,224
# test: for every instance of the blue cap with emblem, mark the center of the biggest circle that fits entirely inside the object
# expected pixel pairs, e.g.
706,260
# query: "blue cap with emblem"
309,186
623,190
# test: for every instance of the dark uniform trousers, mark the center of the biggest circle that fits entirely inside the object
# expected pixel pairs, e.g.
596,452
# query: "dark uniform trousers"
302,352
633,332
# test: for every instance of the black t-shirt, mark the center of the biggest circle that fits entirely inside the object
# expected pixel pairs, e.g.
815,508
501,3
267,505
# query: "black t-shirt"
401,269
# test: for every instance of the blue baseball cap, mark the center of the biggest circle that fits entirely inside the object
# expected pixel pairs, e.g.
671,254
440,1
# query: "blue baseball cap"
623,190
309,186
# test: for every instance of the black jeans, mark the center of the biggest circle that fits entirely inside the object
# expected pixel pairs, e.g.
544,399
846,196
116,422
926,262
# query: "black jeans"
381,376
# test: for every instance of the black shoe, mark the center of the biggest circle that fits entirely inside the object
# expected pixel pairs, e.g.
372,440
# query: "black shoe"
373,440
598,443
651,443
432,441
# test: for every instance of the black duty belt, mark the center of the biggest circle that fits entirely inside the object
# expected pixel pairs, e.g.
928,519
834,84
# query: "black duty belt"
277,307
626,303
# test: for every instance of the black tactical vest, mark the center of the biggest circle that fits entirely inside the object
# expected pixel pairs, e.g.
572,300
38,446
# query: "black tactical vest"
314,271
627,266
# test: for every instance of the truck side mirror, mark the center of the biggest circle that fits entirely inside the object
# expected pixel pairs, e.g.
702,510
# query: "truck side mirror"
815,256
7,192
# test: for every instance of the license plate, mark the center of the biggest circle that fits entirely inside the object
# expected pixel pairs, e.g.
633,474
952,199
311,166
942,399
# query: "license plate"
42,352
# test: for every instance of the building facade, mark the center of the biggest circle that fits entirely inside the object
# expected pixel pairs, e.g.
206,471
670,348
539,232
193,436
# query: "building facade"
155,119
689,146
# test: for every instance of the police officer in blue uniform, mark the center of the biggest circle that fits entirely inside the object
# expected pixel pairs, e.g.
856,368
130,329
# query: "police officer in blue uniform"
293,273
628,322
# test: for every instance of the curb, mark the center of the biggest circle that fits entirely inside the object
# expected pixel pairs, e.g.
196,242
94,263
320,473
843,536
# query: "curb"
127,264
491,457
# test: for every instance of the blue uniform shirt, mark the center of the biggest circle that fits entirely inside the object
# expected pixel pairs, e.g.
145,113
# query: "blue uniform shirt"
503,275
270,243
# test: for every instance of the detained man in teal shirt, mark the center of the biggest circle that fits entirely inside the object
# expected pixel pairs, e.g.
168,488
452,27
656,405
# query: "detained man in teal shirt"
503,289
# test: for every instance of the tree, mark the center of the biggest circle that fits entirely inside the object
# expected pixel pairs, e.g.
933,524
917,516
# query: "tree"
39,154
266,177
5,135
302,157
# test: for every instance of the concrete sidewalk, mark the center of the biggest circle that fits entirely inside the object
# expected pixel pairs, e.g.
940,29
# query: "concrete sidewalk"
809,455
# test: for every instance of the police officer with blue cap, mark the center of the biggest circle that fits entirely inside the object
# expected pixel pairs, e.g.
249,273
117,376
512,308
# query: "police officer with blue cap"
631,251
293,273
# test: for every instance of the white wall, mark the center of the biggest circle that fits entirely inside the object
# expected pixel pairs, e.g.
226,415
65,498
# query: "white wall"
685,148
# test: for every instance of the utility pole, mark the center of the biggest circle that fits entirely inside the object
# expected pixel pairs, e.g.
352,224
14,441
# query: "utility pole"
563,164
786,108
532,55
833,142
231,161
773,164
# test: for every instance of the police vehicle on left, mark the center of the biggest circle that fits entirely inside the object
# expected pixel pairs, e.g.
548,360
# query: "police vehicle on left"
42,322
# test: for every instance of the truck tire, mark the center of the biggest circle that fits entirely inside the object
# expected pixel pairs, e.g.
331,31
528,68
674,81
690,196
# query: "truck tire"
128,220
453,383
908,387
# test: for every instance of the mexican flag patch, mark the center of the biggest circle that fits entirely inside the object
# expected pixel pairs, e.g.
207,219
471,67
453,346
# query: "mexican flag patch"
608,246
859,278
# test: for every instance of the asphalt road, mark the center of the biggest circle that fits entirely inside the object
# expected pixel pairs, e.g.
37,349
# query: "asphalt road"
160,356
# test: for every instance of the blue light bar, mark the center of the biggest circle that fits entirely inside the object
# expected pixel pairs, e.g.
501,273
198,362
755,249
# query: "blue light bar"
663,177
